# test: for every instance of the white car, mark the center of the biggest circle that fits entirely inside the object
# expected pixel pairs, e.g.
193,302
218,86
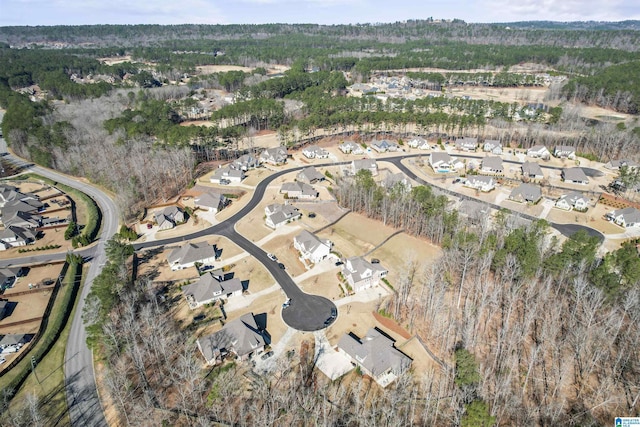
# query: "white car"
2,360
272,257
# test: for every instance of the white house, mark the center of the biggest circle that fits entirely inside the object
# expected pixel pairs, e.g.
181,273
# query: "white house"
350,147
565,152
443,162
12,237
617,164
368,164
627,217
480,182
573,200
419,143
278,215
188,255
361,274
227,175
311,248
315,152
245,162
539,151
492,146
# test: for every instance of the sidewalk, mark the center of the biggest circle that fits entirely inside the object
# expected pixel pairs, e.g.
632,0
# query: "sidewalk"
245,301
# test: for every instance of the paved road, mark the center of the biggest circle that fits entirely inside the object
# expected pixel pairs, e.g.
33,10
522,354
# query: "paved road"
84,405
565,229
307,312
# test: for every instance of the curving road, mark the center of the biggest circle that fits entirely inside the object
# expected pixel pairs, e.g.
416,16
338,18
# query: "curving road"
306,312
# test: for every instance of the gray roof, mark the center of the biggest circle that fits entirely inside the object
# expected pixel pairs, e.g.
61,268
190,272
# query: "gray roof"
242,336
316,150
310,175
350,144
210,199
467,142
480,178
384,144
244,162
537,148
209,286
360,164
375,352
565,148
574,174
192,252
301,187
13,339
527,192
573,197
21,219
631,215
395,178
491,144
359,267
17,233
277,154
531,168
309,241
493,163
622,162
24,205
228,172
440,157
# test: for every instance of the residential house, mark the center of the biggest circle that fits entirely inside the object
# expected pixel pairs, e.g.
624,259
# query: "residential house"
315,152
443,162
245,162
479,182
419,143
15,340
526,193
211,201
26,205
21,219
310,175
364,164
311,248
492,165
532,170
574,176
617,164
627,217
241,338
12,237
9,275
467,144
188,255
298,190
274,156
9,193
564,152
211,287
169,217
278,215
227,175
539,151
361,274
382,146
573,200
475,211
393,180
492,146
350,147
376,355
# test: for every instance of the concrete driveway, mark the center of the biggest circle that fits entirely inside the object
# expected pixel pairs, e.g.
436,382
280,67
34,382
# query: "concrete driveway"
331,362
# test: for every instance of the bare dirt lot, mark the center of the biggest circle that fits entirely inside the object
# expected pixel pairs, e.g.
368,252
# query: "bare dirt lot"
24,307
325,284
403,249
356,234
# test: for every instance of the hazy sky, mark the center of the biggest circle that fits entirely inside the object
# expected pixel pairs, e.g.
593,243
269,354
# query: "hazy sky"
77,12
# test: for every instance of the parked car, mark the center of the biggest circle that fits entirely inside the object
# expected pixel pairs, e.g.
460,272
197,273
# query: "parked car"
281,265
287,303
375,261
2,360
149,226
272,257
312,215
334,313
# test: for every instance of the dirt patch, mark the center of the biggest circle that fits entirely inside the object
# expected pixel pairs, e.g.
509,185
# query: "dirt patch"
250,269
391,325
325,284
25,307
356,234
210,69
